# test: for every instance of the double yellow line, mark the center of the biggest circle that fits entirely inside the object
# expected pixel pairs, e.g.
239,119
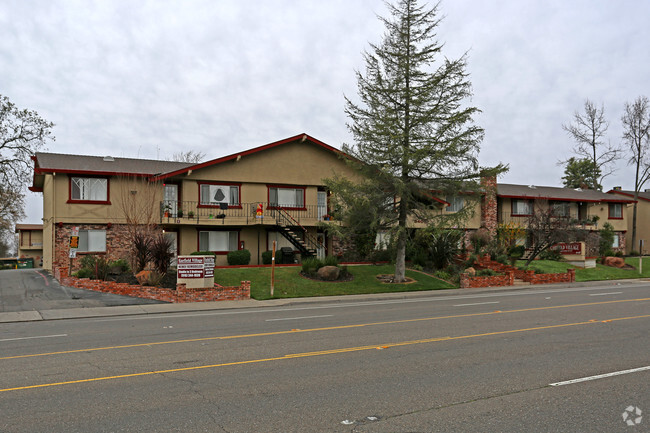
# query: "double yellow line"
325,352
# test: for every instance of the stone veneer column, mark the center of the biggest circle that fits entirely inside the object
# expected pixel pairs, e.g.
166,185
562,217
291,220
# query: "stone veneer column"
489,204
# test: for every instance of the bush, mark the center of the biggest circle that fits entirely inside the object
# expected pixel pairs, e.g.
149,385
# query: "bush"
444,248
239,257
502,258
471,261
634,253
154,279
267,257
141,250
443,275
608,253
203,253
95,267
311,265
161,253
331,261
619,254
120,265
416,267
606,240
486,273
551,254
84,273
479,239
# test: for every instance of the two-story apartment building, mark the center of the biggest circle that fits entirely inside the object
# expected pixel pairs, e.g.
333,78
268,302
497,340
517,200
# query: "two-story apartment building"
245,200
642,218
30,242
589,209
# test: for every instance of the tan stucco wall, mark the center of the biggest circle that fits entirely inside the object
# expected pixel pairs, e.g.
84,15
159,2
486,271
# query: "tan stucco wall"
642,226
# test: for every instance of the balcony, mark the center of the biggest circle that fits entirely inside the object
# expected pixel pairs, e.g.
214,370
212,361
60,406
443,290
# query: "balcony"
194,213
584,221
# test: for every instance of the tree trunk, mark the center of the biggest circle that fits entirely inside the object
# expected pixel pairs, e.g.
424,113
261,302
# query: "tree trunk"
400,259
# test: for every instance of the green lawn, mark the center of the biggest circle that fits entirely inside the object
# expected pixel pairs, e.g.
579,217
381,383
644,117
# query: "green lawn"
598,273
289,284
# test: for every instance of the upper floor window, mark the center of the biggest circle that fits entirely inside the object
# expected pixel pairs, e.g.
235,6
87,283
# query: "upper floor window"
522,207
616,211
89,189
214,194
287,197
561,209
455,204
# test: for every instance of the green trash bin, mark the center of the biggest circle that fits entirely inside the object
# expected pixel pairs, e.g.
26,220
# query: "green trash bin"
25,263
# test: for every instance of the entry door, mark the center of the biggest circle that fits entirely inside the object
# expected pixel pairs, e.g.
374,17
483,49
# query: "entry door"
173,238
320,251
170,199
322,204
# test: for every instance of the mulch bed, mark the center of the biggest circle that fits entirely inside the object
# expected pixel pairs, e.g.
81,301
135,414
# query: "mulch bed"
168,281
341,279
390,279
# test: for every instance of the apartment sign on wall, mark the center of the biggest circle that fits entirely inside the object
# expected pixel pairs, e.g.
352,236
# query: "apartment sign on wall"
570,247
195,267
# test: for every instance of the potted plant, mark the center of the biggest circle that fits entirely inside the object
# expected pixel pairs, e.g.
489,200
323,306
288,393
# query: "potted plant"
179,214
167,208
190,214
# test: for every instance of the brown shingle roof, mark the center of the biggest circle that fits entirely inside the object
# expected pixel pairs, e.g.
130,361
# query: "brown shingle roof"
555,193
57,162
643,195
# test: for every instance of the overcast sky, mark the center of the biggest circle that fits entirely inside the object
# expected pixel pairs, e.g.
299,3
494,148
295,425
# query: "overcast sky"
150,78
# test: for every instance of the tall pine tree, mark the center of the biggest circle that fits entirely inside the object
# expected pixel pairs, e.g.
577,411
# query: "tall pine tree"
412,130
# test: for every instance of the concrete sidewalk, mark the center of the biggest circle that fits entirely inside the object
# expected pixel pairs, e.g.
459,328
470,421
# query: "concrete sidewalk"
129,310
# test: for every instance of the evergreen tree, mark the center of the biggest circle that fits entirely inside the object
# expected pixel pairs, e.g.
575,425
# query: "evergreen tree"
581,173
412,130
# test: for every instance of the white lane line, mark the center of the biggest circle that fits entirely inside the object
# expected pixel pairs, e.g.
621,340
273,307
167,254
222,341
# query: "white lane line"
39,336
298,318
478,303
603,294
601,376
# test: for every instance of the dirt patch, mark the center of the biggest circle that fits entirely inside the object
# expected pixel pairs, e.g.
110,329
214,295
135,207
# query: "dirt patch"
344,277
390,279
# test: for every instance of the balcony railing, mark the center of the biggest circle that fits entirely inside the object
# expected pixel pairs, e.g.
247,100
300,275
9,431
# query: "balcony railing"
192,212
588,221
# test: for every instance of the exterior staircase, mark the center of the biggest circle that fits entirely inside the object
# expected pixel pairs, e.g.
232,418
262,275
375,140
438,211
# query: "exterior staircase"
288,226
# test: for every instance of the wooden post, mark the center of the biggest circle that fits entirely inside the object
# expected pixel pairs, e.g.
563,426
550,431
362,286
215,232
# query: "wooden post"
273,269
640,256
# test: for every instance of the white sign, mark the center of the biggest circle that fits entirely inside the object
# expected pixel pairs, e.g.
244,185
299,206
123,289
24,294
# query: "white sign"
73,253
75,231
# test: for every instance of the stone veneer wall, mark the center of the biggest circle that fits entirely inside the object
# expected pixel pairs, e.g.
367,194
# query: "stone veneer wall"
489,204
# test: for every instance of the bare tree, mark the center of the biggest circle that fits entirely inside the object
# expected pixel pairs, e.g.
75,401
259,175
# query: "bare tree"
545,228
636,134
193,156
22,133
588,130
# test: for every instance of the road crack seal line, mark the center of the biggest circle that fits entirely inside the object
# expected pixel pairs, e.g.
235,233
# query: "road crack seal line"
330,328
317,353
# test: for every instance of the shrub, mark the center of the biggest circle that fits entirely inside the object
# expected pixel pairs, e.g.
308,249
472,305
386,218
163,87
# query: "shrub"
634,253
479,239
331,261
619,254
120,265
443,275
486,273
154,279
96,267
471,261
266,257
606,240
311,265
203,253
141,250
551,254
502,258
161,253
416,267
239,257
84,273
444,247
608,253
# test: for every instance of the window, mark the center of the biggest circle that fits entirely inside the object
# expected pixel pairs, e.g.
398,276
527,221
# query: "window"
382,240
213,195
89,189
561,209
521,207
287,197
92,241
615,242
218,241
615,211
455,204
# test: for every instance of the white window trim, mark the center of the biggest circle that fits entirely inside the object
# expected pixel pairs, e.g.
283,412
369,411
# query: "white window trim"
232,237
92,241
87,187
231,197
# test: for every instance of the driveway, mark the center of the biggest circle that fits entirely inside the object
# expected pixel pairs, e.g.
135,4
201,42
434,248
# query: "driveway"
35,289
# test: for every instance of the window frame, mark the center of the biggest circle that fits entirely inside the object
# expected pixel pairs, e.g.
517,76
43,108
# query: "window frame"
82,201
219,253
614,206
453,202
564,204
295,188
216,206
512,207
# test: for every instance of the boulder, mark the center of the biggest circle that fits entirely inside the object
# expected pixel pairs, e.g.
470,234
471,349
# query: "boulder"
616,262
470,271
329,273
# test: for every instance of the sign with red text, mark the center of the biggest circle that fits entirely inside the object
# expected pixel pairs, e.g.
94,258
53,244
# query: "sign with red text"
570,247
191,267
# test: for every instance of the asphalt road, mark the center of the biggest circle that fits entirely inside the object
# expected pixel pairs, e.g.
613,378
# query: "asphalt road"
35,289
454,363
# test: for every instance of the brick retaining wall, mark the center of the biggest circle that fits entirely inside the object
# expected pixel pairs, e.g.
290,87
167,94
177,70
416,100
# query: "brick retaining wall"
181,294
